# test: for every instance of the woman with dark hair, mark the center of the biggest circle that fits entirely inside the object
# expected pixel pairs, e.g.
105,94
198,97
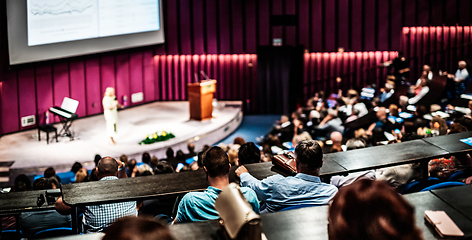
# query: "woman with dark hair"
371,210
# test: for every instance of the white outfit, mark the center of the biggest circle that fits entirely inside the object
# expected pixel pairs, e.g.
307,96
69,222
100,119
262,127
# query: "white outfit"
461,74
342,181
111,115
414,100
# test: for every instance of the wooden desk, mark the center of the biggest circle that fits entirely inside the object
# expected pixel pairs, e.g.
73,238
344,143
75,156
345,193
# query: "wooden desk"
387,155
423,201
14,203
311,223
460,198
451,143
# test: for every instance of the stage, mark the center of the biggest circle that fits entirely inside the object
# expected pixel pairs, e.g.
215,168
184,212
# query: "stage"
30,156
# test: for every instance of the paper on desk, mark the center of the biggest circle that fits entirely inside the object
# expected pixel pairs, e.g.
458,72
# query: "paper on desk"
467,141
443,223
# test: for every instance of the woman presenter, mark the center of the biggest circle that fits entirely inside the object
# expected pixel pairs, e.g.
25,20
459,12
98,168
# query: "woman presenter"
110,107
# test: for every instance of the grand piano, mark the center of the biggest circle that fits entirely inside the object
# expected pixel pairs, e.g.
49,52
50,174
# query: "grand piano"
67,115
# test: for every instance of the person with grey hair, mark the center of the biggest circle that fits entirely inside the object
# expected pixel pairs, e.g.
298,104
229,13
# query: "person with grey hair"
278,192
457,82
342,181
98,217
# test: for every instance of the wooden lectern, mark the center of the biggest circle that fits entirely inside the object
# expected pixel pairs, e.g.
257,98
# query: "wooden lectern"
200,99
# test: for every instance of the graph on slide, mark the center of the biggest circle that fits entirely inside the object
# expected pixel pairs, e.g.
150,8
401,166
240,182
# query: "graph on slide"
53,21
51,7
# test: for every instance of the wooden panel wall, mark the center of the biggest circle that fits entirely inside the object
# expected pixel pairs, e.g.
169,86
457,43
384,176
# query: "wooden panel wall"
159,77
441,47
355,70
239,26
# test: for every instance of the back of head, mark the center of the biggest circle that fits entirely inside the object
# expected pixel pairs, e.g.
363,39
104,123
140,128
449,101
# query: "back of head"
45,183
146,158
169,153
180,155
393,109
239,140
49,172
309,155
382,113
107,166
97,159
216,162
132,163
22,183
137,228
124,159
76,167
457,128
371,210
336,137
439,123
191,147
355,143
81,175
154,161
249,153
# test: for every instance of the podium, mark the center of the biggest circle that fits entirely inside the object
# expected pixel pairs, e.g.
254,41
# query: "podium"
200,98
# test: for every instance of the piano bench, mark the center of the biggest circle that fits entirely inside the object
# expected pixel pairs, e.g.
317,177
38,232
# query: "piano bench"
46,128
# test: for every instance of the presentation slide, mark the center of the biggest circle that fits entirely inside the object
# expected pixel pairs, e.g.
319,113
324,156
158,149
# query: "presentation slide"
54,21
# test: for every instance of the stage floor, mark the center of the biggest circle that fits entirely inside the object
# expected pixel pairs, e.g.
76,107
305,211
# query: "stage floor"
30,155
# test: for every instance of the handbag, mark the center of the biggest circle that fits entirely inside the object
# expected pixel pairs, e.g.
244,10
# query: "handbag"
237,218
286,162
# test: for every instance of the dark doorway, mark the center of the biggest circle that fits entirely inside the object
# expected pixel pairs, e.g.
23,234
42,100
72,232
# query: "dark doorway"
280,78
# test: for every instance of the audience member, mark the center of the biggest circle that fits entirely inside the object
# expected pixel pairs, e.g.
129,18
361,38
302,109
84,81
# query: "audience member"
146,158
233,154
371,210
76,167
33,222
97,159
199,206
278,192
239,140
249,153
51,172
81,175
137,228
97,217
191,151
22,183
124,159
132,168
336,138
342,181
284,130
331,123
459,81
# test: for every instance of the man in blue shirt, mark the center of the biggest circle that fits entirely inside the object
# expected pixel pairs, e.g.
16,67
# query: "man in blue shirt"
200,206
279,192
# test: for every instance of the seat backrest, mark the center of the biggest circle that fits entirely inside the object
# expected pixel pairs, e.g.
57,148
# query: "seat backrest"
443,185
417,186
461,174
53,232
298,207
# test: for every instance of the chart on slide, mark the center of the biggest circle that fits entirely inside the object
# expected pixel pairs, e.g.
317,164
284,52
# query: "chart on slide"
53,21
127,16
